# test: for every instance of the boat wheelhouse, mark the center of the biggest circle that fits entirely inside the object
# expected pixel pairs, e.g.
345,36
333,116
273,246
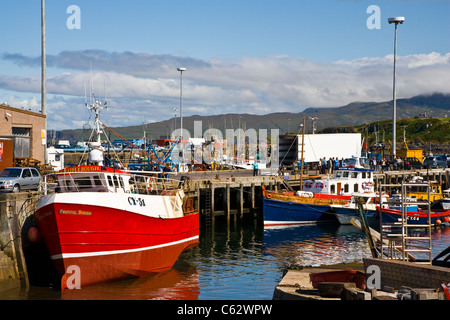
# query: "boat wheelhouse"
346,181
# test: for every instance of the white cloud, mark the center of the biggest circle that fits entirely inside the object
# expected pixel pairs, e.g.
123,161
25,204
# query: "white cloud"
141,85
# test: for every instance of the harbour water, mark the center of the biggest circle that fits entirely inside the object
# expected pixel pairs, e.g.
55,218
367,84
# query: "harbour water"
239,263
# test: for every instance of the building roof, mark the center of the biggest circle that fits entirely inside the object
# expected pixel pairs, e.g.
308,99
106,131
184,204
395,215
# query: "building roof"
21,110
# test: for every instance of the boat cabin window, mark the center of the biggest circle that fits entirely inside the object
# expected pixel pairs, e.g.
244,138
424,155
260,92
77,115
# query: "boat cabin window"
346,188
354,175
338,174
355,187
80,182
97,181
110,182
363,175
332,189
345,174
116,183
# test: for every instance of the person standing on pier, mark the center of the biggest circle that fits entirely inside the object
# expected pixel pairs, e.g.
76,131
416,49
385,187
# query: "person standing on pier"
255,168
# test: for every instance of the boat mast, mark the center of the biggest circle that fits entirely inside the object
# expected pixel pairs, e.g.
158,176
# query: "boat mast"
301,166
96,153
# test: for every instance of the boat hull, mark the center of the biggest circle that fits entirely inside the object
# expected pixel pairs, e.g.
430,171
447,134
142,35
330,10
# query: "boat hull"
278,212
103,243
420,217
344,215
445,202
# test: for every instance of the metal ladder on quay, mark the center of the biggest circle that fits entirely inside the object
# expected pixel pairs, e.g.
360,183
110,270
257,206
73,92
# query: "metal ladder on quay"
207,210
400,239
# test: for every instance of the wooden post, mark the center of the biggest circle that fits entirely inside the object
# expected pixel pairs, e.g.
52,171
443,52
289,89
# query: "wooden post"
241,201
252,209
211,186
227,201
197,203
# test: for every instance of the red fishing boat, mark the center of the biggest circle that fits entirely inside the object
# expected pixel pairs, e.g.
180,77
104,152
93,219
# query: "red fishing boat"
417,216
101,224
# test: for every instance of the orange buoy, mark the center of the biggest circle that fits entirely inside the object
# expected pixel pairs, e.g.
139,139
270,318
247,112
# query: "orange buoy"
438,222
446,219
34,235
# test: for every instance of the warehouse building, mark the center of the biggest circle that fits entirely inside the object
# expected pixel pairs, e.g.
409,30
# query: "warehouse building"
22,137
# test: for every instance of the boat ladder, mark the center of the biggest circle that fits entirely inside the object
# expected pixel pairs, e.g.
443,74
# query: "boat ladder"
401,239
207,209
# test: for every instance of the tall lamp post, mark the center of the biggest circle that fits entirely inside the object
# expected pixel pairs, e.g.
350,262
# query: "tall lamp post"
181,104
43,79
396,21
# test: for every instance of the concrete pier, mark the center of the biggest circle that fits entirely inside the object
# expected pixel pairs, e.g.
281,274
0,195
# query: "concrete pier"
233,195
398,279
14,210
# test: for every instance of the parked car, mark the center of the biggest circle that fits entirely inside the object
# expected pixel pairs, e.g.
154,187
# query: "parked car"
412,163
435,162
448,160
19,178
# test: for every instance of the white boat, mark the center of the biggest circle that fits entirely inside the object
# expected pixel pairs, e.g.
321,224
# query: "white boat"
445,201
370,201
346,181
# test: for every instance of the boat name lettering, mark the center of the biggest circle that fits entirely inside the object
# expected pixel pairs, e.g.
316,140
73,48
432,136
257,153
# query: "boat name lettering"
83,169
75,212
136,201
44,215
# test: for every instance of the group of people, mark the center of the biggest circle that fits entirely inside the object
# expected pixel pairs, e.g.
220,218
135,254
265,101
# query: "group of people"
386,164
328,166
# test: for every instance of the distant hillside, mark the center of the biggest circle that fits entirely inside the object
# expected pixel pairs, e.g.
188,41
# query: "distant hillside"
367,117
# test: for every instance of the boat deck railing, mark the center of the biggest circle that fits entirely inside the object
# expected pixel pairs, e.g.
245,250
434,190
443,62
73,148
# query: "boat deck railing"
148,183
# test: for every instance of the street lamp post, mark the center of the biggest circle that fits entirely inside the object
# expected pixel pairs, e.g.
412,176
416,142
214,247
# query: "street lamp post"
181,104
44,79
396,21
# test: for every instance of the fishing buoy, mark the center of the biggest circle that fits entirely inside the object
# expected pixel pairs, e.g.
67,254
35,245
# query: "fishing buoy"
34,235
438,222
446,219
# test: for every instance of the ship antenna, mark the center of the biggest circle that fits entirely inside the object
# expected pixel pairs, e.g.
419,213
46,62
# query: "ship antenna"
106,97
85,98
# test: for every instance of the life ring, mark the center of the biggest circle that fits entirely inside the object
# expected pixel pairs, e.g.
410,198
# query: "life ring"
319,185
269,196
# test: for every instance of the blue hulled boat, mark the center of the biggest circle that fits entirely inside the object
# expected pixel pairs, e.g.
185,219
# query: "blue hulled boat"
287,208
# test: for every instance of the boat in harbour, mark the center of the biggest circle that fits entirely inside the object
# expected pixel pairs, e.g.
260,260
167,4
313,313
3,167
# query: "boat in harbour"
370,203
314,202
445,200
296,208
417,189
346,181
102,224
419,217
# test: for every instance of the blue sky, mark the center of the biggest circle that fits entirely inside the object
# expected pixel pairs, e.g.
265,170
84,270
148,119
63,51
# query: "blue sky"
241,56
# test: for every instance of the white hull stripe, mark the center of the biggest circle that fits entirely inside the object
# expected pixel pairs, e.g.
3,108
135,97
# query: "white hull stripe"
105,253
268,223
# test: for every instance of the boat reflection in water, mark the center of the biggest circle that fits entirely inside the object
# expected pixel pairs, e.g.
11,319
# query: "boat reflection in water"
171,285
236,263
314,245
